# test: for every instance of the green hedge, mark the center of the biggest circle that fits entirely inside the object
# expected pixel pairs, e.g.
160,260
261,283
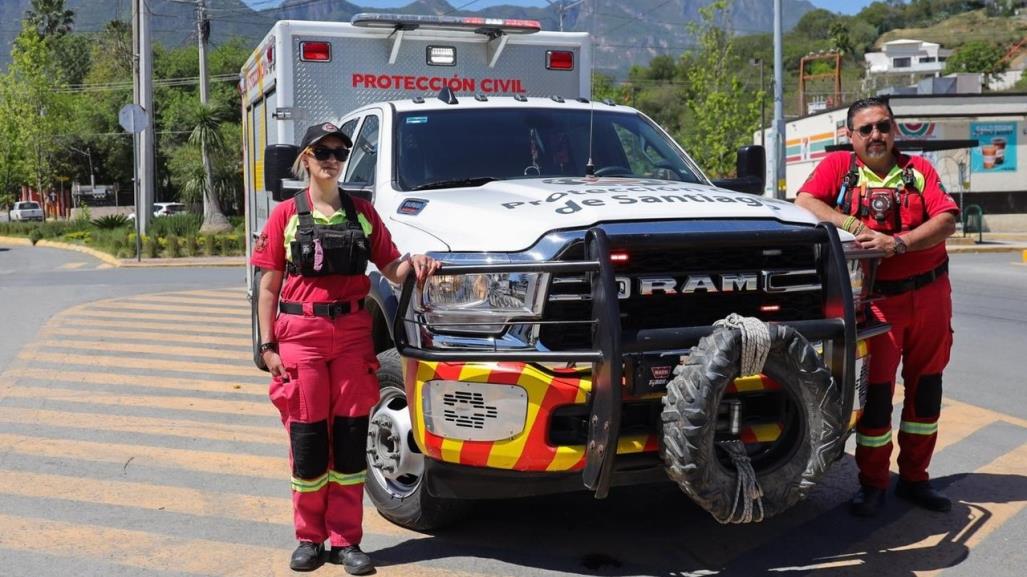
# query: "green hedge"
170,237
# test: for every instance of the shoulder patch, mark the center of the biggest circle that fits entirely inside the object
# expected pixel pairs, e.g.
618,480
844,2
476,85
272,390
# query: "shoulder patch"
261,243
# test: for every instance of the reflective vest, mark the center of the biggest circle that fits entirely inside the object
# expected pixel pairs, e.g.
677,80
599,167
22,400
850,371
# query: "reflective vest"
328,249
889,205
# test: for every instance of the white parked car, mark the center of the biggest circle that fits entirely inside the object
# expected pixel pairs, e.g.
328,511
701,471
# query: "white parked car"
26,210
164,209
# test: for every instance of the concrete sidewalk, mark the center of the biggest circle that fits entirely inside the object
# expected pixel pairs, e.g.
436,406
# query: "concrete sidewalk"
990,242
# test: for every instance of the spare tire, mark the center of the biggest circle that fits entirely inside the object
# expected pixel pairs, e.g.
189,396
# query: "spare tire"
689,437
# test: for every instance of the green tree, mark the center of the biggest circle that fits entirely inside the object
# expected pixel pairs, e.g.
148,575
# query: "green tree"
40,104
724,113
206,136
977,56
50,18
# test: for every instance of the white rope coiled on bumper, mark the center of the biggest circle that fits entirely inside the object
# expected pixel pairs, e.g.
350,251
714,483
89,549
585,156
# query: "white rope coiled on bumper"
755,341
755,349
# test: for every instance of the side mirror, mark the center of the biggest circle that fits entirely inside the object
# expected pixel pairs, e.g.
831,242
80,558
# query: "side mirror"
278,159
751,171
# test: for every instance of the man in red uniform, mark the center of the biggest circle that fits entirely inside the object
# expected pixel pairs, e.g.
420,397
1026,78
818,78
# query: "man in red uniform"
896,204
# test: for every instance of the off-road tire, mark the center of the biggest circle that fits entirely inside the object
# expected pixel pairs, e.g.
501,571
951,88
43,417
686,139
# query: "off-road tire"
418,511
689,421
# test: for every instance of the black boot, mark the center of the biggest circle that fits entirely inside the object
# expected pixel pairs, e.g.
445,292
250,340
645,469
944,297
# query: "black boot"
922,494
307,557
355,561
867,502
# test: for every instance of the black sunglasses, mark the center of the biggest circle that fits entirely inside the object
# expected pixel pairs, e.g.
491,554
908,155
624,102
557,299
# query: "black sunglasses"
883,126
324,153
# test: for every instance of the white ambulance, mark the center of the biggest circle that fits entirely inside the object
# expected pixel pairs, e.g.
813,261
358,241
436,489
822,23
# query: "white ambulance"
585,256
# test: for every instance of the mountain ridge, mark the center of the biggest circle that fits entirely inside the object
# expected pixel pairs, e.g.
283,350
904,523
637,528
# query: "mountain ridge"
625,33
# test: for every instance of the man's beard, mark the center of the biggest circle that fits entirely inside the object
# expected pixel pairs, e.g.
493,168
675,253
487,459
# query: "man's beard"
876,150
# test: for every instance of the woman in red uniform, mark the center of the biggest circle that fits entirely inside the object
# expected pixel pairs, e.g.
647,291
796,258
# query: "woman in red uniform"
313,252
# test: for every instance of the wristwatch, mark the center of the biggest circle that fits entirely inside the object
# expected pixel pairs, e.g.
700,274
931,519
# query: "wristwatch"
900,245
265,347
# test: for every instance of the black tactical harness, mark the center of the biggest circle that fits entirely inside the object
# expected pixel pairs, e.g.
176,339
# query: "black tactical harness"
328,249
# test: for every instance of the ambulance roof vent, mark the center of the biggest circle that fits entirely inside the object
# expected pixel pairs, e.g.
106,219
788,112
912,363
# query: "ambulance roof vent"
481,97
446,95
556,98
418,100
520,98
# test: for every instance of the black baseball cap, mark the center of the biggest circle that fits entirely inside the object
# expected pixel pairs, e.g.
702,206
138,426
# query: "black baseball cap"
318,132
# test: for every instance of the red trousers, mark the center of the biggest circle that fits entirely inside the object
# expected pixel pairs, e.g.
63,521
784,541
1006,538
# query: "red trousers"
921,338
329,388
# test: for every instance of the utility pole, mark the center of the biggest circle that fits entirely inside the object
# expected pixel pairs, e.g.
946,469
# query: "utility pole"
143,96
778,148
562,7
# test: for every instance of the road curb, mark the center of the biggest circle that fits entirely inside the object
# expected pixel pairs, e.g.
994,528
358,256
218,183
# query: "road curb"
109,259
15,241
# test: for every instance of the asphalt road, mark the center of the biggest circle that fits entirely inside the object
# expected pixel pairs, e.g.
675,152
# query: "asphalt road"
136,440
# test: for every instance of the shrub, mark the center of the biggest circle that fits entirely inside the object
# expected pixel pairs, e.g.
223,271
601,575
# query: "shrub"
210,247
192,245
176,224
35,235
111,222
151,248
174,248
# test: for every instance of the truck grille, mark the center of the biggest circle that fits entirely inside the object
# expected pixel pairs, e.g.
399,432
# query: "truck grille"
569,295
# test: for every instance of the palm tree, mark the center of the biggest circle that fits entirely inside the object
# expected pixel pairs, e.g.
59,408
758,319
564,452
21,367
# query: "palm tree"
50,17
205,135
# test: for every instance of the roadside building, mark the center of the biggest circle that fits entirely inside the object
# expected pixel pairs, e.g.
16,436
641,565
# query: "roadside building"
992,175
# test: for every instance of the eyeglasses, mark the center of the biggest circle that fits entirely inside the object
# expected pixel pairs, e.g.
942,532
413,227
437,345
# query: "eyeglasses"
882,126
324,153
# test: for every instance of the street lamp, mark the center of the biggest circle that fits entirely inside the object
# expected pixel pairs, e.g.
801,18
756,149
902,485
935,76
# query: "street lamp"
92,176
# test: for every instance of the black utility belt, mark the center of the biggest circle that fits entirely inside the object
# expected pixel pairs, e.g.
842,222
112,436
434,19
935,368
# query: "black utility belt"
330,310
897,287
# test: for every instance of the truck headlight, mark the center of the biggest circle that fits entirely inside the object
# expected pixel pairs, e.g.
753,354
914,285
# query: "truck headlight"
481,303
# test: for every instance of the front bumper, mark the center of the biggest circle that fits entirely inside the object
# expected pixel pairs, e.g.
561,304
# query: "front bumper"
604,394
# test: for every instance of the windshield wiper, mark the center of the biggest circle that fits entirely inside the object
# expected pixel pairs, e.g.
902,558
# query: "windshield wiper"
455,182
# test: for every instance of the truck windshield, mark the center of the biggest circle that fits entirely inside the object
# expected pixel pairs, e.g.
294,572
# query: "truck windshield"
449,148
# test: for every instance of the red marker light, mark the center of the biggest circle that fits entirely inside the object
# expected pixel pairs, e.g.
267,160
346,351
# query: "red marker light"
315,52
559,60
618,257
770,308
270,53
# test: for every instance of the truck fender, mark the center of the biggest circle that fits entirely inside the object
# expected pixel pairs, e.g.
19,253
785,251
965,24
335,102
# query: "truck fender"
383,305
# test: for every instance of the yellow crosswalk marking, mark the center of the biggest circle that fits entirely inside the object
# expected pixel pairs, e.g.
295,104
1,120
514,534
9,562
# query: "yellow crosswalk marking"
211,430
247,408
145,456
72,265
243,344
104,266
148,381
240,310
127,347
32,354
223,293
179,298
114,313
159,553
158,327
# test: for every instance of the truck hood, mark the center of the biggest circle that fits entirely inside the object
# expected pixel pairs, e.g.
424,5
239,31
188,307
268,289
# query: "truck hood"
510,215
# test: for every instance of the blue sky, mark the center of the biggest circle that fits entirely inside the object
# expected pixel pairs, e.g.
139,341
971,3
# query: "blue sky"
842,6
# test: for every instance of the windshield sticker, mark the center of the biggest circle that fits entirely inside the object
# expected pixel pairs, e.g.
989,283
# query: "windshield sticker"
625,191
417,120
